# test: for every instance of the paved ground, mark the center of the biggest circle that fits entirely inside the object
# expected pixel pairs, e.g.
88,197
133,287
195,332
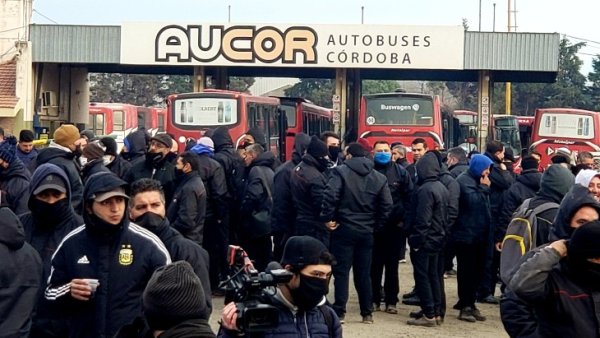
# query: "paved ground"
387,325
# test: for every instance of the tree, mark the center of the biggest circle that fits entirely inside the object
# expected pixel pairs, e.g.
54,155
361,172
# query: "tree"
594,88
318,91
378,86
240,84
465,94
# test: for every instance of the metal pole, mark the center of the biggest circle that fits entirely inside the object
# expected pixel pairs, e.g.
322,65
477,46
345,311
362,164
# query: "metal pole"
229,13
494,28
480,15
507,90
362,15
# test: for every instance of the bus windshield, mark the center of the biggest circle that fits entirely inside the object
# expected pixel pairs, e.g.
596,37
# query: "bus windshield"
399,110
566,125
204,111
290,113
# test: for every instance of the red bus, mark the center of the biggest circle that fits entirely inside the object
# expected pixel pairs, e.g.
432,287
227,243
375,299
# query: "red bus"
525,129
191,114
303,116
575,129
401,117
122,118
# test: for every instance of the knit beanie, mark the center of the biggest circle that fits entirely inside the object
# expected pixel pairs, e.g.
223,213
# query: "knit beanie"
7,149
478,164
110,144
557,180
173,294
584,241
93,151
88,134
66,135
585,176
26,135
356,150
164,139
529,162
317,148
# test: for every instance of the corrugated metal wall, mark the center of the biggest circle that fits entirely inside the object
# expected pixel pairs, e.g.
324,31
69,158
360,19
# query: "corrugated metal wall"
512,51
76,44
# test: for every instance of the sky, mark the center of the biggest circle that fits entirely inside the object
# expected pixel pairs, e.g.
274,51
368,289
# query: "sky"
574,18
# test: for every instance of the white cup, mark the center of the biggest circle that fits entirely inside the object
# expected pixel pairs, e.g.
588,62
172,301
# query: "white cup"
93,283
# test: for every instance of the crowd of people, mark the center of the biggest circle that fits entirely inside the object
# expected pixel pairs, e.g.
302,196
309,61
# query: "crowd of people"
134,243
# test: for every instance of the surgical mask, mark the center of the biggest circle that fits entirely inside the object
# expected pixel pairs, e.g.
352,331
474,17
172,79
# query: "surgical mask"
382,157
310,292
83,161
107,159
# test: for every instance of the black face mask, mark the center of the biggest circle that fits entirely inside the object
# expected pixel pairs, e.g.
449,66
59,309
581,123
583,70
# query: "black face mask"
323,163
150,221
50,214
310,292
153,158
334,152
179,174
99,226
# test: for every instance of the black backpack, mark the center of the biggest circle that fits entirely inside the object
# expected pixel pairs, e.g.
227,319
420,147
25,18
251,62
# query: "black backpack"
521,235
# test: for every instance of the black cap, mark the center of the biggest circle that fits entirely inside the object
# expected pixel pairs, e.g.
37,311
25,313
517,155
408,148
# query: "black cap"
301,251
164,139
51,181
356,150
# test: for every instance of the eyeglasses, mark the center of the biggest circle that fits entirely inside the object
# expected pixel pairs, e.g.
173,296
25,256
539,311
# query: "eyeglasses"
157,145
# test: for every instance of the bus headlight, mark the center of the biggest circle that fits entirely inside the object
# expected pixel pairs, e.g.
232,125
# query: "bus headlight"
182,139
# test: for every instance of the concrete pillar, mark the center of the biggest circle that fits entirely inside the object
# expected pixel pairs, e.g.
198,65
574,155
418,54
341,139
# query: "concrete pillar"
221,78
353,101
199,79
484,105
341,86
79,95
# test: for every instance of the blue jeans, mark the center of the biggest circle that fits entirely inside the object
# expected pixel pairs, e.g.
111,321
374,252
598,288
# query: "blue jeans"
352,249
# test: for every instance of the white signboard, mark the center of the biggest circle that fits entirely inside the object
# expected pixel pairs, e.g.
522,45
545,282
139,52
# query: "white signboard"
567,125
333,46
205,112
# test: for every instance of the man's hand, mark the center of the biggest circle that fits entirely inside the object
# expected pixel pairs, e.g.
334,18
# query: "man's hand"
80,289
331,225
485,180
503,166
229,317
499,246
560,247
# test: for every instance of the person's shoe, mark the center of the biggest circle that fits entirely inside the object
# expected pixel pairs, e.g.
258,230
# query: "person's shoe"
416,314
403,261
457,306
445,276
413,301
423,321
478,316
391,309
451,272
410,294
368,319
376,307
439,320
466,314
489,300
342,318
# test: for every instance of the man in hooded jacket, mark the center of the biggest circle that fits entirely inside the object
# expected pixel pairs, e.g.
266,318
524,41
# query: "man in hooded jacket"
113,161
14,177
20,277
51,218
120,256
284,213
135,146
356,203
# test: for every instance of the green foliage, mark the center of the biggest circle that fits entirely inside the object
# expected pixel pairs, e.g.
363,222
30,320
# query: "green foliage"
240,84
379,86
318,91
594,88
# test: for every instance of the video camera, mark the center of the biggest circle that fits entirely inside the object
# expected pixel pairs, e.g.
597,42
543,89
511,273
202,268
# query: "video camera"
248,288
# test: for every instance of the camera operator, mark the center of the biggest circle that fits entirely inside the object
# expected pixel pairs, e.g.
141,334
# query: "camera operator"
301,301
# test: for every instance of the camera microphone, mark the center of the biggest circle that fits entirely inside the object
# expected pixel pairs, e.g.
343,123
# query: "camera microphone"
273,266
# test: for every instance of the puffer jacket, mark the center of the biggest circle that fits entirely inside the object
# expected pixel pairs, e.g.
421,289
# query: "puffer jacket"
357,196
20,277
65,160
473,224
294,323
15,182
427,229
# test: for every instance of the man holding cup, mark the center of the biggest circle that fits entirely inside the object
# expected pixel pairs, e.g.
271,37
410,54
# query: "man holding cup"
101,268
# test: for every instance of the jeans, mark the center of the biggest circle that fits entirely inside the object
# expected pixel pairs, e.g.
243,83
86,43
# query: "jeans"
427,281
386,255
471,260
352,249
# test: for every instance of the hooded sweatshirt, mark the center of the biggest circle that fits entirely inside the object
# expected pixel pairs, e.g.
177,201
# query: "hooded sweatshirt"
65,159
137,144
15,182
584,177
232,164
574,200
20,277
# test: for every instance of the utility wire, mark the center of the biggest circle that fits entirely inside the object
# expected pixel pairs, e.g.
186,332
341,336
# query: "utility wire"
12,29
45,17
582,39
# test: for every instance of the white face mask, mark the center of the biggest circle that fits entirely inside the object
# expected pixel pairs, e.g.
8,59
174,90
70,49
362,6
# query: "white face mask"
83,160
107,159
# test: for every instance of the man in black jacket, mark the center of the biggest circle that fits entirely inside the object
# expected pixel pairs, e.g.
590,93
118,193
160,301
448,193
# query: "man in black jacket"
457,161
390,242
526,186
216,234
92,160
20,276
419,148
51,218
147,209
233,166
356,203
157,165
101,268
427,236
307,184
284,213
135,146
256,235
187,210
113,161
64,151
471,234
14,177
501,179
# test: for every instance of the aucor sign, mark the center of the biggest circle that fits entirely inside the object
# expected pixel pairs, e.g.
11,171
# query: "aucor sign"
339,46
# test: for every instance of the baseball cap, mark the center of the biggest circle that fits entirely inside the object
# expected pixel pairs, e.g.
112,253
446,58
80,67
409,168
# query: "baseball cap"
51,181
103,196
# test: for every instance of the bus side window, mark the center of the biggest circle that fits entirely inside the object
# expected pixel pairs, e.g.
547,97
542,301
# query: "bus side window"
252,118
305,124
118,120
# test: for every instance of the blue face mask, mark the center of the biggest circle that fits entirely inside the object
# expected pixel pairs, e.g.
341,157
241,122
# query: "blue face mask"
382,158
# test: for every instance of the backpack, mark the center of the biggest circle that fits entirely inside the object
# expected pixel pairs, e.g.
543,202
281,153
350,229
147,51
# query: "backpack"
520,236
